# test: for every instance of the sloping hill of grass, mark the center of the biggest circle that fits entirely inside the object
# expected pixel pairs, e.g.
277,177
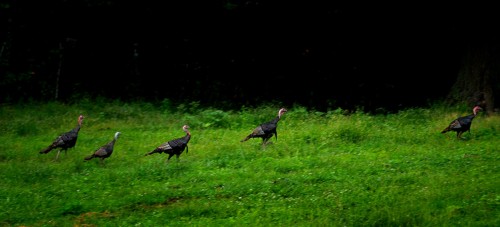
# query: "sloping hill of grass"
325,168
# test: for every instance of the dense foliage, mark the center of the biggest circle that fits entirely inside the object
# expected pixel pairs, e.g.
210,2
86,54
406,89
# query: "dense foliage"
318,54
326,168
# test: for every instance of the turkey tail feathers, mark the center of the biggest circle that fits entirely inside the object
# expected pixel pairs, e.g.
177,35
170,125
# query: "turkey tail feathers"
46,150
445,130
246,138
151,152
89,157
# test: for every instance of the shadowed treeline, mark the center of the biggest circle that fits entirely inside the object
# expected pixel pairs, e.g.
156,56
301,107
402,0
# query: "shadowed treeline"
234,53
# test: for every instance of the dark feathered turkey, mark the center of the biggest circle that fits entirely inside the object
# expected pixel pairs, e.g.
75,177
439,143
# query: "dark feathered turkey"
175,146
266,130
66,140
104,151
462,124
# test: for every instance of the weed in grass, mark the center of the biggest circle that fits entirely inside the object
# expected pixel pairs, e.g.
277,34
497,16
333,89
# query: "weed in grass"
72,208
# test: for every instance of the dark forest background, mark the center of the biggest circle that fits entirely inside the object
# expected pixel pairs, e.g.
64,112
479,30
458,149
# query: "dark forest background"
230,53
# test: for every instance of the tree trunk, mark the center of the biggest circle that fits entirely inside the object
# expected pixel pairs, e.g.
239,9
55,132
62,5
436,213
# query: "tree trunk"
478,78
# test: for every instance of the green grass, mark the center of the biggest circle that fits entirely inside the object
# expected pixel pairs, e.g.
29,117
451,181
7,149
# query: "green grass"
325,169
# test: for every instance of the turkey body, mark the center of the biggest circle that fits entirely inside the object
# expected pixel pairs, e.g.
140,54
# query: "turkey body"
462,124
175,146
104,151
266,130
65,141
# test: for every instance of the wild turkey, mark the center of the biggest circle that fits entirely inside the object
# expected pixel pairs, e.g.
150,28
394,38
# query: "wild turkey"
266,130
66,140
462,124
175,146
104,151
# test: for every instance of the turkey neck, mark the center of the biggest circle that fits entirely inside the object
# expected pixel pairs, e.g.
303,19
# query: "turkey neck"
77,128
112,143
275,120
473,115
187,137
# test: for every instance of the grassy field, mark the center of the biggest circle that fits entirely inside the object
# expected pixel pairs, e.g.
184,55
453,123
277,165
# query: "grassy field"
325,169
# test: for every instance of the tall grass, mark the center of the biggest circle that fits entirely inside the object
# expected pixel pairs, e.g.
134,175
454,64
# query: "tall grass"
325,168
